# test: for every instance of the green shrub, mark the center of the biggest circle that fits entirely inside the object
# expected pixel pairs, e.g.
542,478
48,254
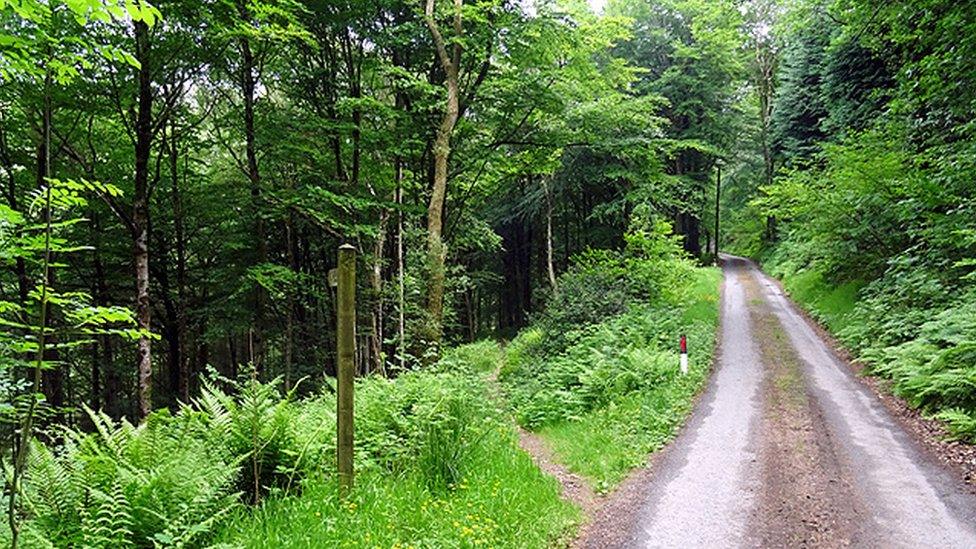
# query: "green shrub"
171,480
254,427
422,420
129,486
613,393
961,423
603,284
632,352
479,357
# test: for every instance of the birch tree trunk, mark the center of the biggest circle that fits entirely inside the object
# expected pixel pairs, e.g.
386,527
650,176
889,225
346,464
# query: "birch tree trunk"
550,268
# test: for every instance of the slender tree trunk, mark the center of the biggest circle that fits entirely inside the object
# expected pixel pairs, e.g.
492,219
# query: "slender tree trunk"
469,313
140,217
766,62
401,321
181,273
376,283
290,313
436,249
550,267
52,382
248,85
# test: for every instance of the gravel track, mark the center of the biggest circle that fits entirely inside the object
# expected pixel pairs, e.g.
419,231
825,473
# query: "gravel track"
787,448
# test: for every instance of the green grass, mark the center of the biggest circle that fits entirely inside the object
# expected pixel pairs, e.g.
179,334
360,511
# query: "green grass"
504,501
703,297
828,303
482,356
604,444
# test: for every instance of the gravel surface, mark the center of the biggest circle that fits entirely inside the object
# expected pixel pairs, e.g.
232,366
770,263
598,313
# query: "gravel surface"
809,497
788,447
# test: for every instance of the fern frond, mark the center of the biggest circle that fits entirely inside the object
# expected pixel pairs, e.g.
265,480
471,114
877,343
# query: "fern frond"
109,523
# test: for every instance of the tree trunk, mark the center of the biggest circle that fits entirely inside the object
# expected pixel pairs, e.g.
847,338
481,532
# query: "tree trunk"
376,283
140,217
401,321
689,227
550,268
248,85
436,250
516,301
766,62
181,273
52,380
289,302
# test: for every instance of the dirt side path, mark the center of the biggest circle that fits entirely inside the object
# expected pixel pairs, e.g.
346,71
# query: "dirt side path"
574,487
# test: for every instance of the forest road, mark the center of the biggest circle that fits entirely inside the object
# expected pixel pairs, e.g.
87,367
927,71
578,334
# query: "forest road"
787,449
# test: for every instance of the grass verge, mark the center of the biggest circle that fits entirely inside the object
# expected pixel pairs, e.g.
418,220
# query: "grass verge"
830,304
504,501
622,378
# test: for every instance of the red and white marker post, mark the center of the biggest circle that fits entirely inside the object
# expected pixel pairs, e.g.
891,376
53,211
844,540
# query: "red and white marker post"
684,355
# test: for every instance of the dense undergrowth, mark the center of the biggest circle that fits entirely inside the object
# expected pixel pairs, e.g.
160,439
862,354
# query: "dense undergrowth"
438,466
438,463
597,374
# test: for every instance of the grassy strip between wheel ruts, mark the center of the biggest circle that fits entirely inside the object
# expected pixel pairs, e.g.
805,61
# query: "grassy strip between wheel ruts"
622,377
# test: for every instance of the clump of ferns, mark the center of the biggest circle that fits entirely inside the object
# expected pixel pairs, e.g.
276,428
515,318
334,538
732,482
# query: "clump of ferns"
129,486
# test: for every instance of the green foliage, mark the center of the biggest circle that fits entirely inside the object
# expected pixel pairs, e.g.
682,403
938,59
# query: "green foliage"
28,25
631,352
602,284
607,393
961,423
428,439
427,422
502,501
481,357
831,304
162,482
436,466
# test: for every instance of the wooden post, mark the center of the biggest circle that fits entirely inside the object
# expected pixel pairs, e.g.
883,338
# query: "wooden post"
718,196
345,370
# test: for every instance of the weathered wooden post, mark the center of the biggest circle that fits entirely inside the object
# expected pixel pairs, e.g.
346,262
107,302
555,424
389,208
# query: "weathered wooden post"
345,370
718,197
